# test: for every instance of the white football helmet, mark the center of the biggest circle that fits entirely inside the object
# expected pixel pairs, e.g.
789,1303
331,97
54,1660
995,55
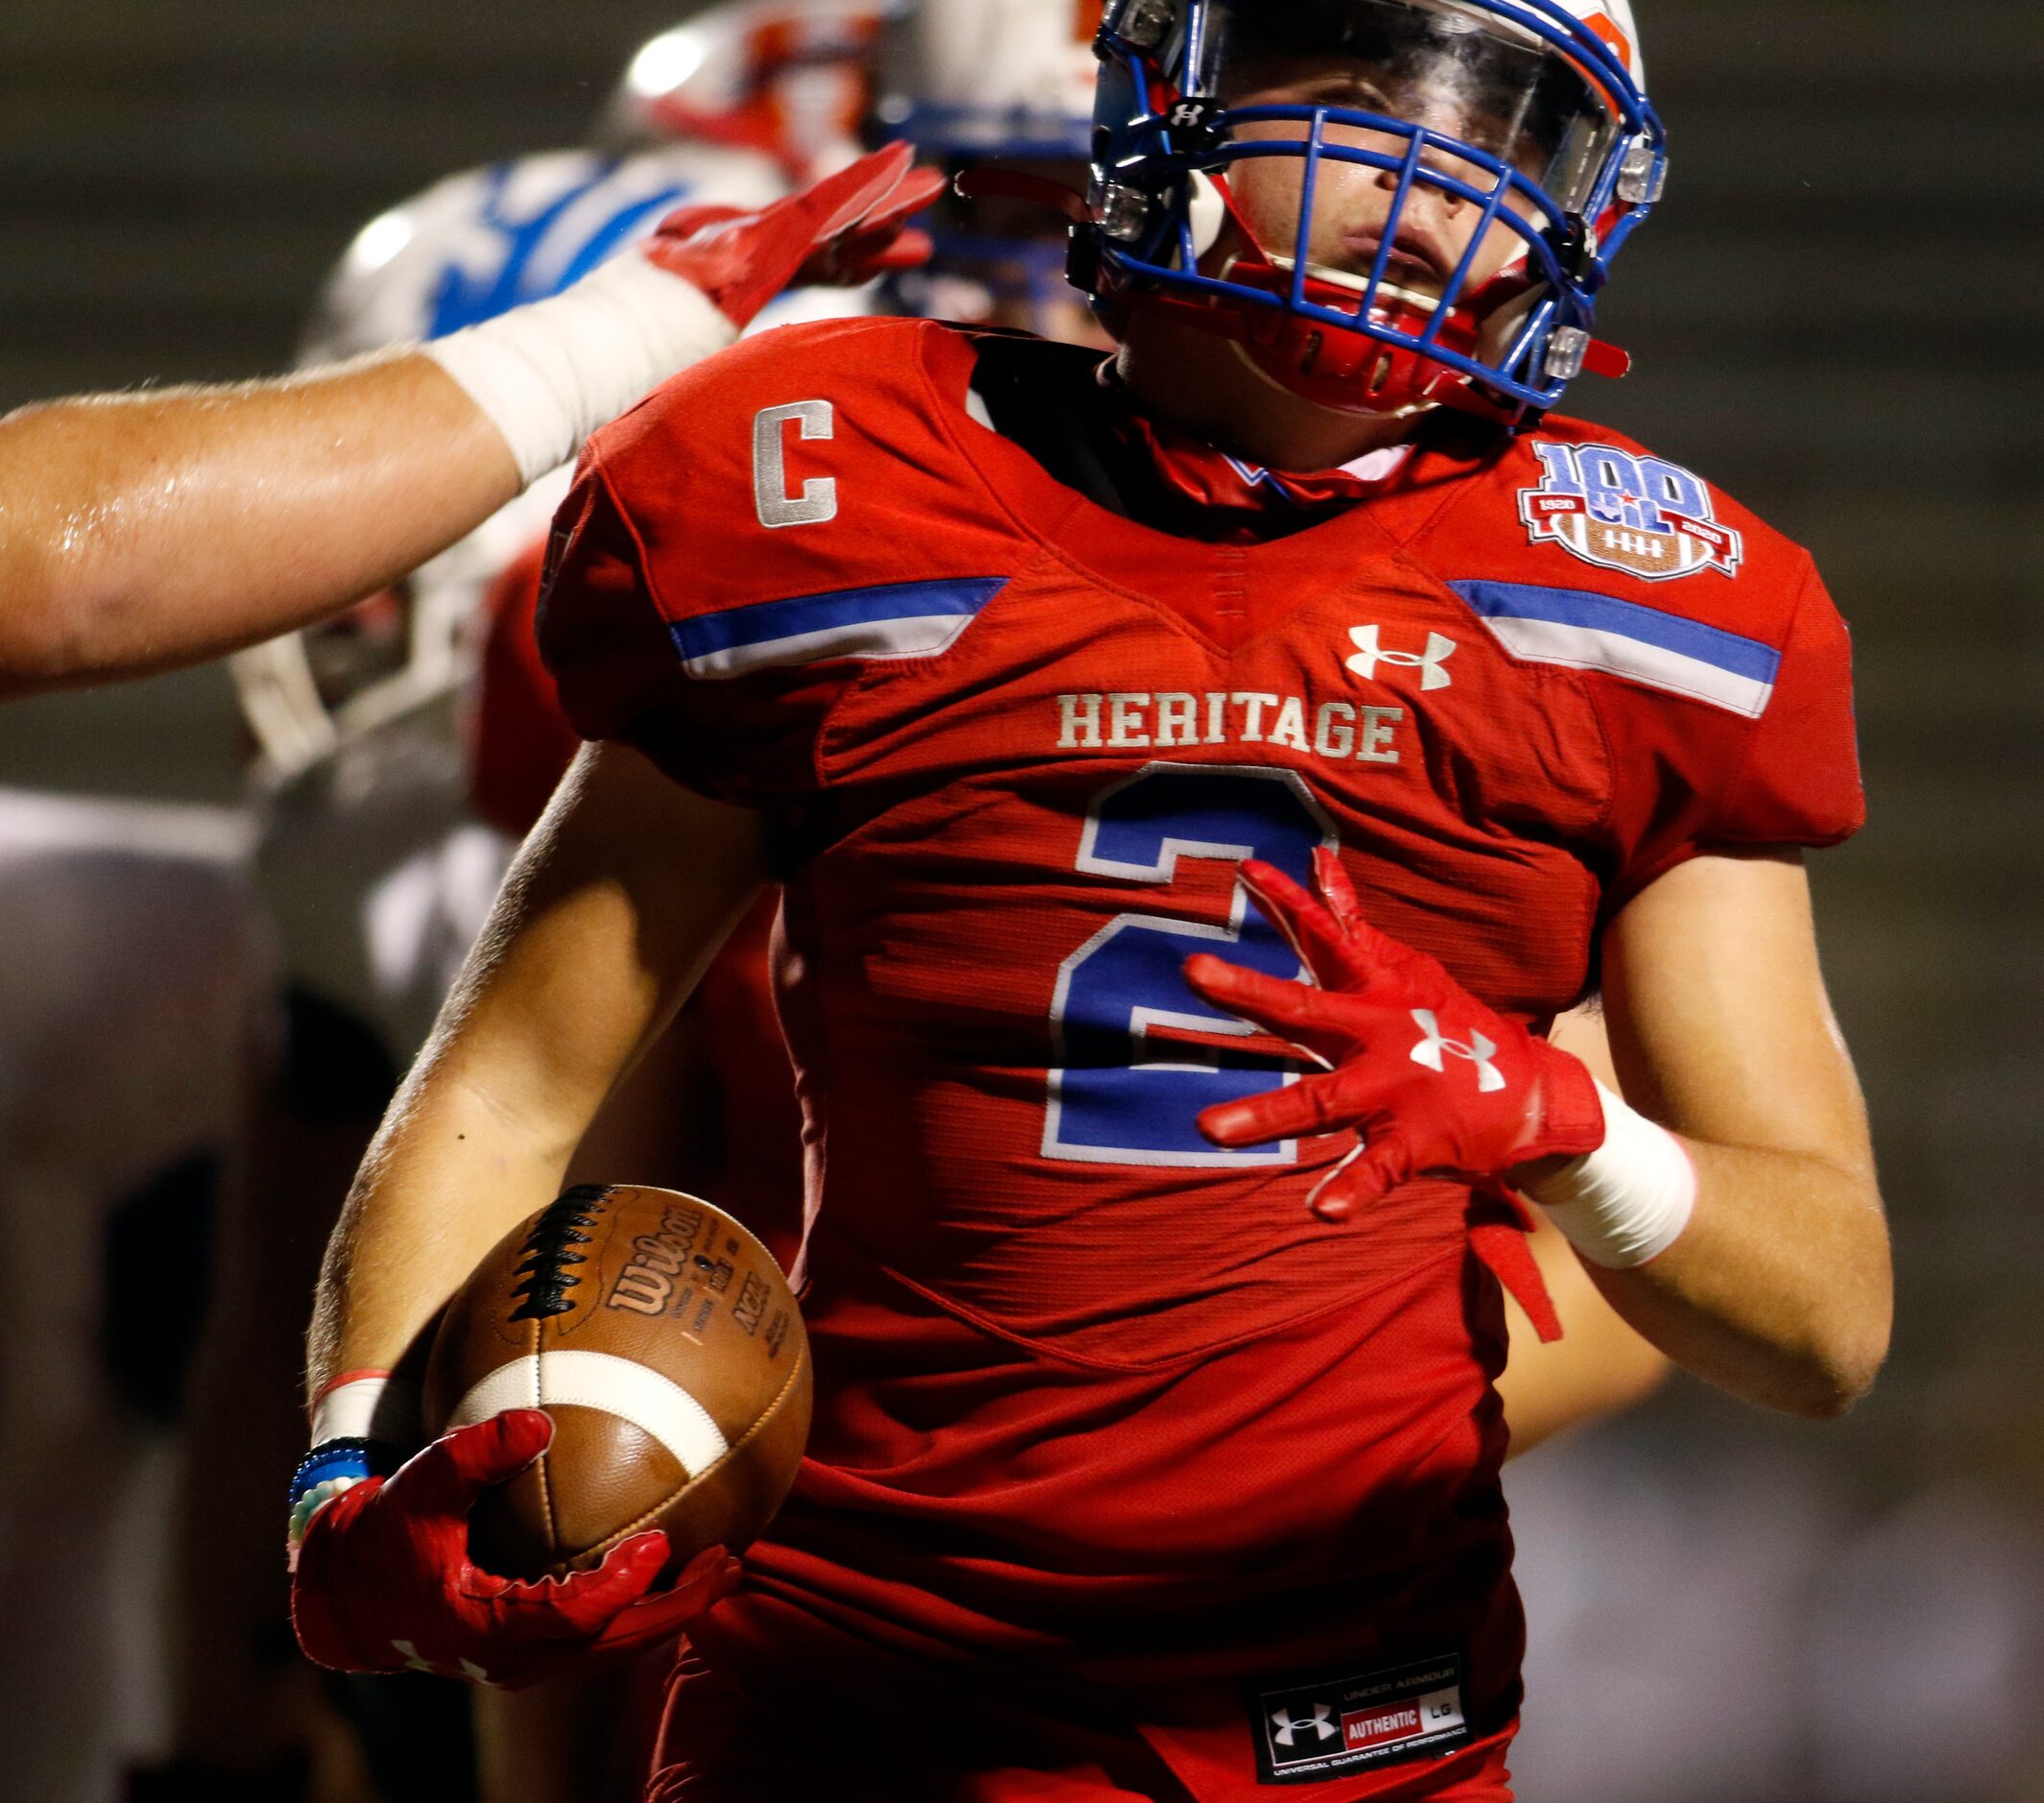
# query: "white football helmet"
1013,78
467,248
975,83
788,78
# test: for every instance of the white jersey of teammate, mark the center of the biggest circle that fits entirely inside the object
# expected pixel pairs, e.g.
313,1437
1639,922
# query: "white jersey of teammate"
376,875
467,248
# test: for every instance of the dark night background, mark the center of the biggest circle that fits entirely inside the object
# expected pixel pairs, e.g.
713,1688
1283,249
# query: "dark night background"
1835,317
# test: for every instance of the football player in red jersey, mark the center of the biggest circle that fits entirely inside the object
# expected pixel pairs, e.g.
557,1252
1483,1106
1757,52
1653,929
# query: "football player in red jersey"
998,260
1155,1296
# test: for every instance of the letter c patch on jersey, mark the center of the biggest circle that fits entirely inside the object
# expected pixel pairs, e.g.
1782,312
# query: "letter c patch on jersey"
1650,518
817,503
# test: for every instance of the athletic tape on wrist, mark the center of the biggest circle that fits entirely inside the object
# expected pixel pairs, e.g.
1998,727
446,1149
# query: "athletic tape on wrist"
365,1424
367,1406
1629,1200
550,373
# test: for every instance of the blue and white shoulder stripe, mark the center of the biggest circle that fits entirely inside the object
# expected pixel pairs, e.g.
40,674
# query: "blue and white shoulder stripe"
1582,631
901,620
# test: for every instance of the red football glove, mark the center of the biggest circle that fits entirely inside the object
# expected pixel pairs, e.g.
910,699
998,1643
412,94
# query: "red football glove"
1432,1079
846,229
384,1582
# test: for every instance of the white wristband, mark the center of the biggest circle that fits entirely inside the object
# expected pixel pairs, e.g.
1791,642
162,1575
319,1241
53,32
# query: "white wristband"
550,373
1629,1200
368,1406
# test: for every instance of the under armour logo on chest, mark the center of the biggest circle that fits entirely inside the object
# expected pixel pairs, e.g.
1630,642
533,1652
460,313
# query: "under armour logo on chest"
1321,1725
1432,664
1436,1048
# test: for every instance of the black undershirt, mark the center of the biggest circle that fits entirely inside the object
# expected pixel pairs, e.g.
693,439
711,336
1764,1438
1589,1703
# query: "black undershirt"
1050,400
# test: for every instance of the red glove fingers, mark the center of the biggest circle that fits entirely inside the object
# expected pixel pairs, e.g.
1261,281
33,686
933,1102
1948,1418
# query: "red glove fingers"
1337,890
628,1572
862,258
446,1477
705,1580
1428,1076
1291,1011
1315,933
1310,1108
856,192
880,239
1341,949
844,228
384,1580
1384,1164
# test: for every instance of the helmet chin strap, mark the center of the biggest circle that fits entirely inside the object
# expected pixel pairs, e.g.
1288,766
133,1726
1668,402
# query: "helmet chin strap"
1209,206
1240,346
1241,351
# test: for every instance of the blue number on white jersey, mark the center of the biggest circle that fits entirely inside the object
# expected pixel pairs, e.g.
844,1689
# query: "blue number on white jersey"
543,249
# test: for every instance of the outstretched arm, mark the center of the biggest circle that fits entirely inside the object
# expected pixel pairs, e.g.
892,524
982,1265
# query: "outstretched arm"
143,532
140,532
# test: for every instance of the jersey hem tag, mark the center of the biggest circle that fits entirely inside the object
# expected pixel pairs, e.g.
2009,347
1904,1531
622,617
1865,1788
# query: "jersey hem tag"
1313,1731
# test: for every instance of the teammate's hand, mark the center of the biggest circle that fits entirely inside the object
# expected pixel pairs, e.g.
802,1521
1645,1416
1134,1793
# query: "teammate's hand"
846,229
384,1581
1431,1078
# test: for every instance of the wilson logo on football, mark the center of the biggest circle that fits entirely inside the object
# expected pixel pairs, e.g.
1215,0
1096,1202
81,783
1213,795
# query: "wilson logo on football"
1650,518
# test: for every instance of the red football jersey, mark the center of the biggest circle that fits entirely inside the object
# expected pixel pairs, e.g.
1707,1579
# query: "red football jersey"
1101,1409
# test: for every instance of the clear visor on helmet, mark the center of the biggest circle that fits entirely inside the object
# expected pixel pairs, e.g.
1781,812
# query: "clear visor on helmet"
1455,72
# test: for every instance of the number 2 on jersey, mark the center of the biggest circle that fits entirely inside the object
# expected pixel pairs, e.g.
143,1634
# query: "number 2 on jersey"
1119,1096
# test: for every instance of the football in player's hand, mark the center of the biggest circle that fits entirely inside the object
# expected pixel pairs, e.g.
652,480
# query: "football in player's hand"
665,1343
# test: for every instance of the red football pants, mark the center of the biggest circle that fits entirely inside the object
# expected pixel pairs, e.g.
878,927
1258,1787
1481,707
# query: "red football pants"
721,1742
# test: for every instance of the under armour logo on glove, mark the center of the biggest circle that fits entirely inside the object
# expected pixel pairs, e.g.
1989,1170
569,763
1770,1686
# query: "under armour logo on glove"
1435,1050
1431,664
1529,1101
1321,1725
468,1671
